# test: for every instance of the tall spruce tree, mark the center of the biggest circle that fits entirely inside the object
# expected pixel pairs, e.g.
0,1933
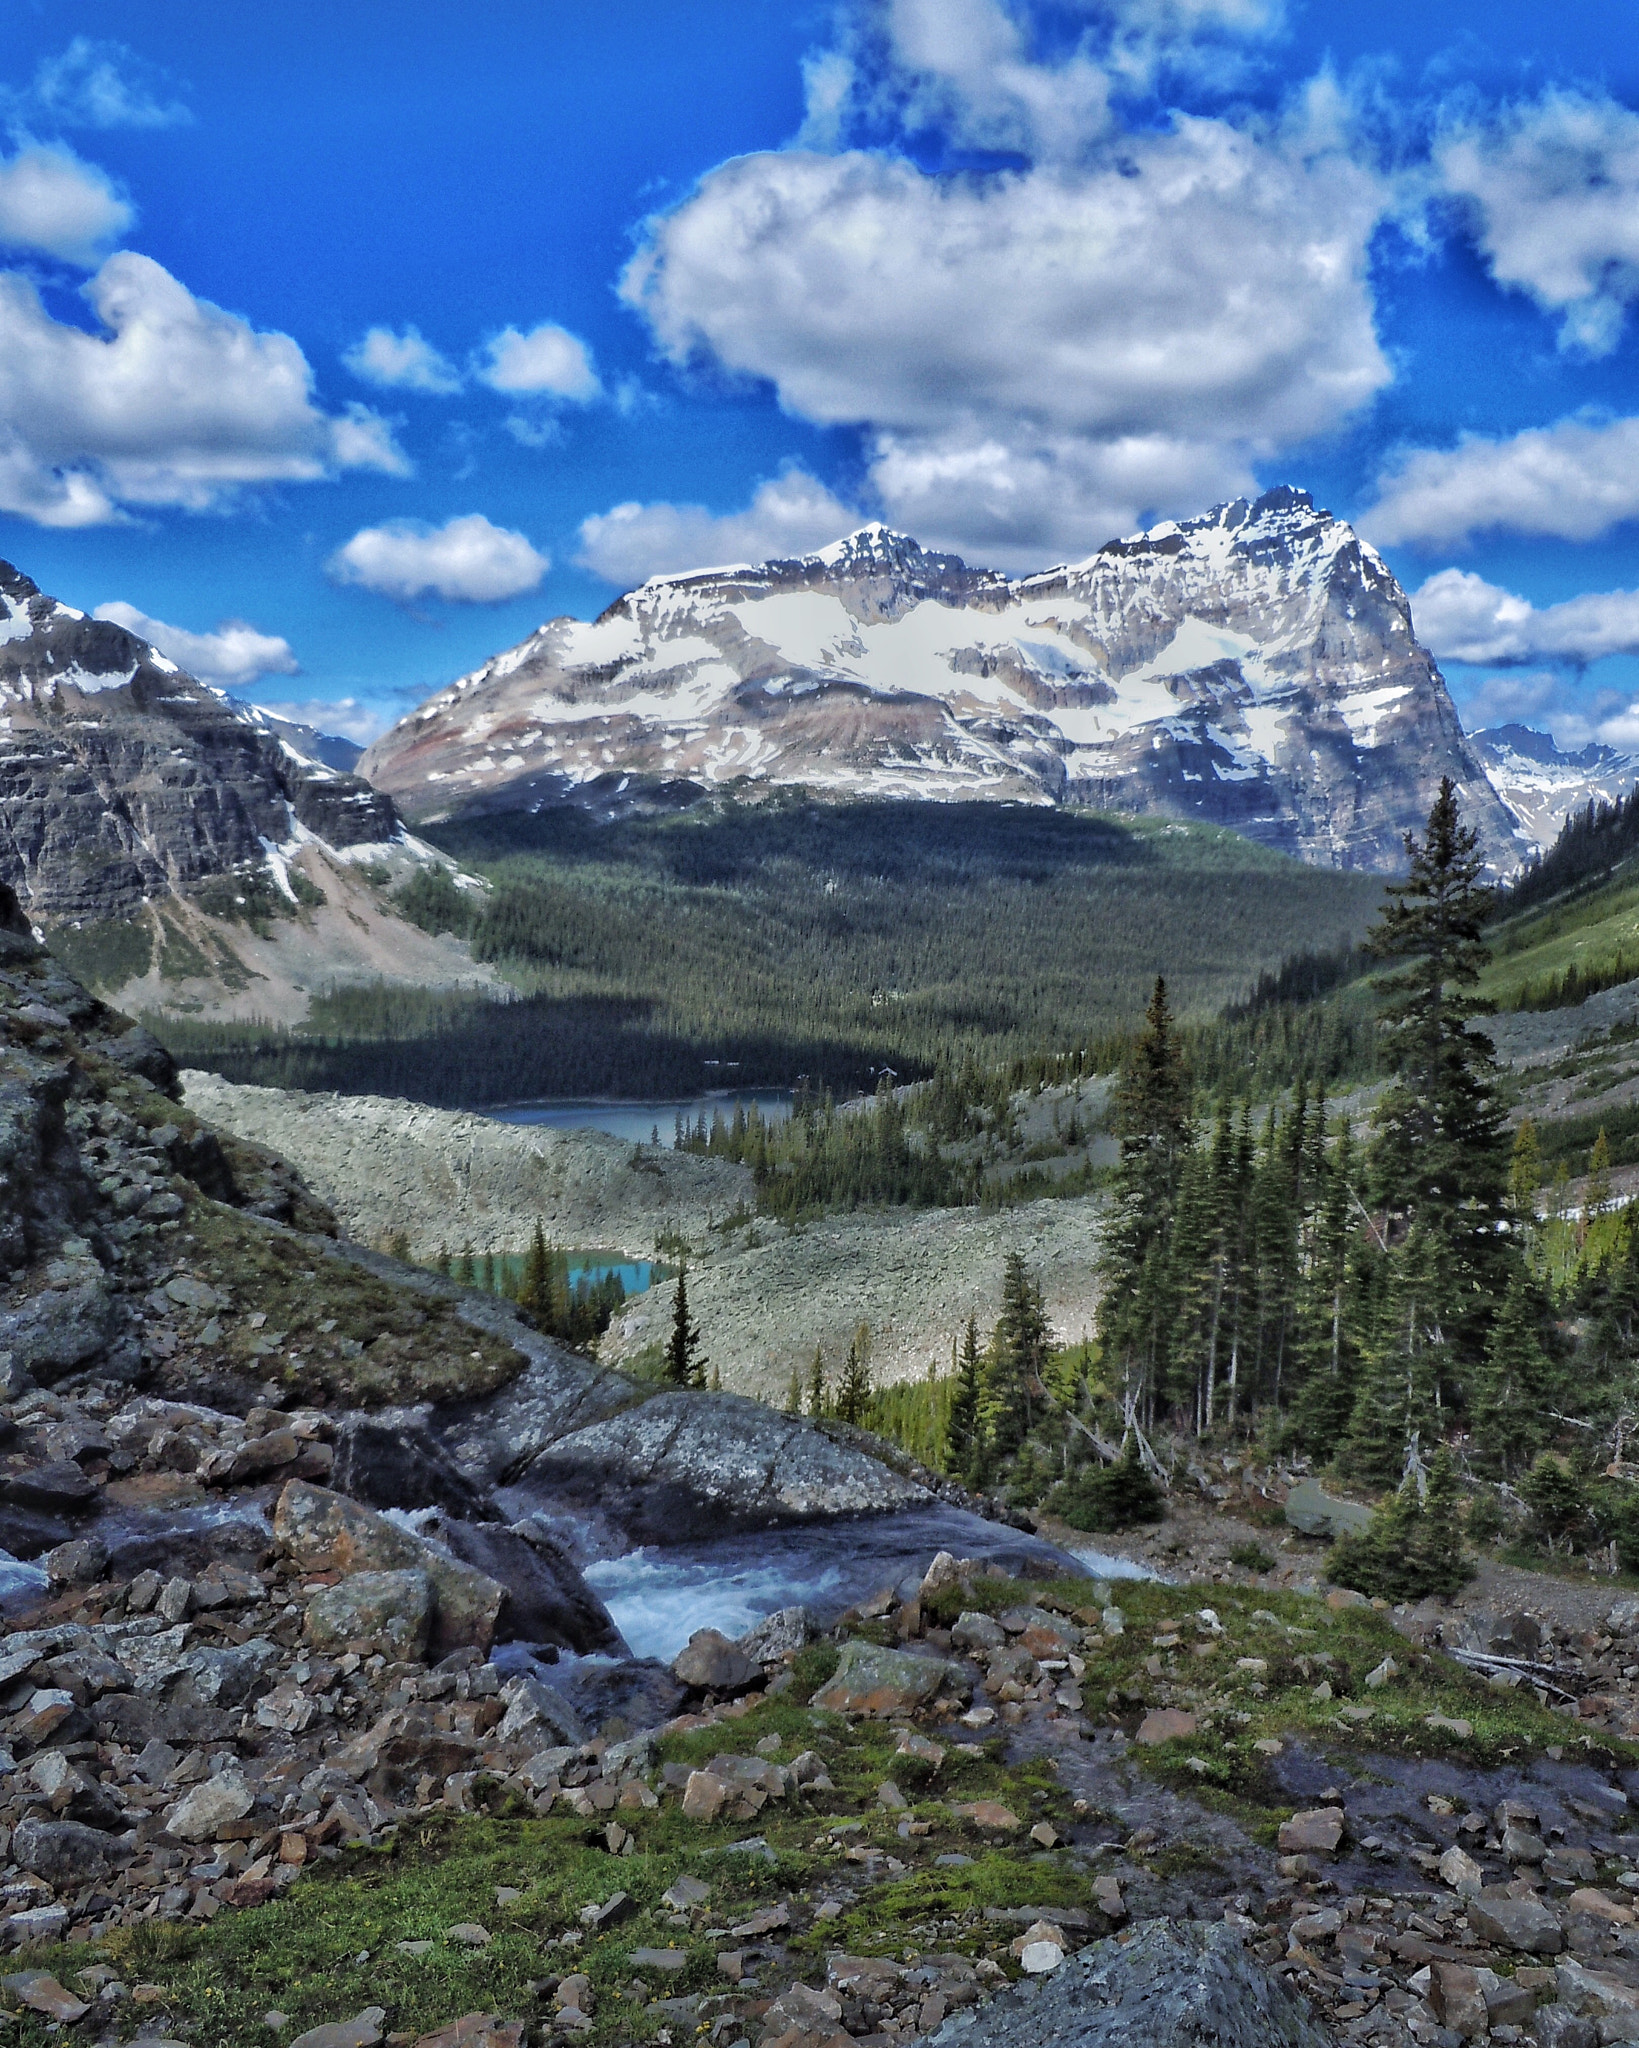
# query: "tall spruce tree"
963,1443
854,1388
1439,1165
1511,1389
684,1365
1018,1357
1156,1132
817,1403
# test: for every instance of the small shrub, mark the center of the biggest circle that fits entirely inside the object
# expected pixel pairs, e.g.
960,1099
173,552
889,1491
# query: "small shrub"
1558,1499
1251,1557
1107,1497
1412,1546
1485,1521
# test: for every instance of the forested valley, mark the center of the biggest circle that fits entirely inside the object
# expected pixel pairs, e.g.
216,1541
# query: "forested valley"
753,944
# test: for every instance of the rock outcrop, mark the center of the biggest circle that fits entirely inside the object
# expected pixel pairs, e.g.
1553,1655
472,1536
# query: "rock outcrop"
1255,667
123,779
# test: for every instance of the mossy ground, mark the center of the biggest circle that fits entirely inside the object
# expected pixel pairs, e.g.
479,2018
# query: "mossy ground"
329,1948
383,1344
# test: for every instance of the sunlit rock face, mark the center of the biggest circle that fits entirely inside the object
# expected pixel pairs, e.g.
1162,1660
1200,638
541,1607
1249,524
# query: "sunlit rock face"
121,778
1255,668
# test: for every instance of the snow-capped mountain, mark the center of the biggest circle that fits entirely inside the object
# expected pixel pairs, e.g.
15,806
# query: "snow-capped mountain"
1543,786
124,780
1255,667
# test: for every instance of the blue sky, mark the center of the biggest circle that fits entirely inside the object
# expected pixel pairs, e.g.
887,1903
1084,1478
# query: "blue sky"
339,348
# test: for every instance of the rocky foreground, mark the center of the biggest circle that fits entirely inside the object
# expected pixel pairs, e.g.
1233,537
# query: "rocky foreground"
855,1834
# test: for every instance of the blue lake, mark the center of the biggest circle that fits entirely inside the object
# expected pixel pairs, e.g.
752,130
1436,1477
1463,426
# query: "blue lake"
636,1275
637,1121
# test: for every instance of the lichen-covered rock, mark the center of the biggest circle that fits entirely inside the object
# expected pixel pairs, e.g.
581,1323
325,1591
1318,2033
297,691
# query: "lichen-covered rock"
325,1531
1171,1984
872,1680
217,1803
709,1662
389,1611
66,1852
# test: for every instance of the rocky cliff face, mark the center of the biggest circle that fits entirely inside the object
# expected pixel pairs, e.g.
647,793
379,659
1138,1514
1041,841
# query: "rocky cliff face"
121,778
1255,667
1543,785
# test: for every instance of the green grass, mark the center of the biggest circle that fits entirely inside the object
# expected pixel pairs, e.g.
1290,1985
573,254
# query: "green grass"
1594,936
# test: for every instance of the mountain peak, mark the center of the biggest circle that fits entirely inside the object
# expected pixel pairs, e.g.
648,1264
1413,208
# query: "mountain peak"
1253,667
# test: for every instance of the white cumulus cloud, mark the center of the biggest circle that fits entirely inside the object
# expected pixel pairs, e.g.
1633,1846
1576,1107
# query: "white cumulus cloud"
467,560
52,202
547,362
788,515
175,402
1461,617
1039,357
1574,480
231,657
1552,188
406,362
95,84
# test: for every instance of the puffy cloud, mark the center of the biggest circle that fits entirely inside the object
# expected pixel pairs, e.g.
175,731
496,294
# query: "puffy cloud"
51,201
175,403
1061,349
405,362
788,515
1552,188
1461,617
99,85
232,657
466,560
1020,503
359,719
548,362
979,73
1574,480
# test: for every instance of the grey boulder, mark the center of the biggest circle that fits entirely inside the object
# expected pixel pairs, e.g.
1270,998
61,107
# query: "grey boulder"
1170,1985
66,1852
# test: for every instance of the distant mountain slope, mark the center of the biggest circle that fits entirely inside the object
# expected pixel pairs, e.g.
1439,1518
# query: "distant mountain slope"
181,848
1255,668
1543,786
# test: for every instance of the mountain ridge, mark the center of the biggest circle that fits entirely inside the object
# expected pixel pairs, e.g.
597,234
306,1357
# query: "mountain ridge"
1255,667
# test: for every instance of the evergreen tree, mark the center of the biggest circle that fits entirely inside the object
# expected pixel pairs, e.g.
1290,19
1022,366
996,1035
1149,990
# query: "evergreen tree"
1413,1545
1440,1164
466,1271
1405,1361
817,1403
793,1393
1117,1496
1156,1131
684,1365
963,1445
854,1388
1598,1195
1525,1175
1018,1357
487,1273
535,1292
1510,1416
